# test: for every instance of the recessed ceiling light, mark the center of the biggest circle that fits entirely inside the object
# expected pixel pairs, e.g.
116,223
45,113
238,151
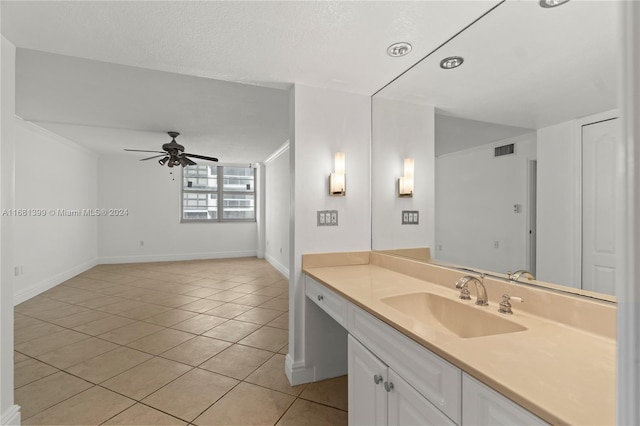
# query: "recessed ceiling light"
451,62
552,3
399,49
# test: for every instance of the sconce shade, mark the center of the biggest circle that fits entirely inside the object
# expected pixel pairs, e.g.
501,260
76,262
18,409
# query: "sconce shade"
405,183
337,179
339,163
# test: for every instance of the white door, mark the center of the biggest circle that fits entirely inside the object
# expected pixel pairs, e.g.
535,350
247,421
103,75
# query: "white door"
367,397
598,205
407,407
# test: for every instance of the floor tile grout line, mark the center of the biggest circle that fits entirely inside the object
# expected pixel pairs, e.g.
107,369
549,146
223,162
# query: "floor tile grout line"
163,328
143,320
286,411
267,298
39,378
144,287
59,402
146,405
155,304
65,370
322,403
140,401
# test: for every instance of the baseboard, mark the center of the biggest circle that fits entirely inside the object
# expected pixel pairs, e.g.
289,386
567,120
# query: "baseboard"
44,285
175,257
11,417
279,266
297,372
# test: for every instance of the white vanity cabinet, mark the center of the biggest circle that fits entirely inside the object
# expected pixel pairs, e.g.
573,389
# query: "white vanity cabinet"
379,396
367,396
395,381
418,375
330,302
484,406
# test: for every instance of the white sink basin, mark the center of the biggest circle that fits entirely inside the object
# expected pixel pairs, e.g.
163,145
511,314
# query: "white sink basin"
461,319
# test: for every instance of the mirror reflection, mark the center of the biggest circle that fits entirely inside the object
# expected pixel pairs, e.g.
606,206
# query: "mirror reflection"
513,150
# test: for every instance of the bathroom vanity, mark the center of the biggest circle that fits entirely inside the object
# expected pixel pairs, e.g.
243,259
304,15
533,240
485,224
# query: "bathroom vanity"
419,355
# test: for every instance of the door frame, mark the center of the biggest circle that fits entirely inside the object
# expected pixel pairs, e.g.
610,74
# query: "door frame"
577,198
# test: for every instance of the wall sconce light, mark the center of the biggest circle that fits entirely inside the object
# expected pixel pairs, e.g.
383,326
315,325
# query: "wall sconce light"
337,179
405,183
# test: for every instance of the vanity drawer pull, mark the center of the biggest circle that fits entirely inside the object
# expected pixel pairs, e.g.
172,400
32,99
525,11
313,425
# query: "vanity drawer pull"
377,379
327,300
388,386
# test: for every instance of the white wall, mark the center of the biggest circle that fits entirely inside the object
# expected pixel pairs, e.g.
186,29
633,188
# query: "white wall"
559,249
475,197
559,199
277,209
628,233
402,130
9,413
152,200
52,174
325,122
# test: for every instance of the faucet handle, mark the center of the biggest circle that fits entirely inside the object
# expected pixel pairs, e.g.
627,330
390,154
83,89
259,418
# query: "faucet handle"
465,294
505,305
463,285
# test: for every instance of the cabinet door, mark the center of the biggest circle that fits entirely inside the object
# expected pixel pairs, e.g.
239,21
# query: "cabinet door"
484,406
408,407
367,399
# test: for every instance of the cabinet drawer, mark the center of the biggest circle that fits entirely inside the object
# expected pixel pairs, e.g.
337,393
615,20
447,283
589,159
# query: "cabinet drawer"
436,379
484,406
330,302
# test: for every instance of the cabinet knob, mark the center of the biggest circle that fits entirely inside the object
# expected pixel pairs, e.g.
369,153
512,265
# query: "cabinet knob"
320,297
388,386
377,378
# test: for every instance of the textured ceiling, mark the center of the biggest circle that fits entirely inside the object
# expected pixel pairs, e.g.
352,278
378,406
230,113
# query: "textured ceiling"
335,44
108,107
89,99
525,66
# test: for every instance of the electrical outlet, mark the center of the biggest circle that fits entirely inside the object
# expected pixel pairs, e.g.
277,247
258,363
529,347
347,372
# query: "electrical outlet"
334,218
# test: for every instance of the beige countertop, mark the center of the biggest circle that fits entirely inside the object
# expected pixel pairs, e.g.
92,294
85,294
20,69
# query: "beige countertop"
562,374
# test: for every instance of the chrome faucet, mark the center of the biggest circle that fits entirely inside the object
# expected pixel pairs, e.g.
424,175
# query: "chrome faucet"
517,274
463,283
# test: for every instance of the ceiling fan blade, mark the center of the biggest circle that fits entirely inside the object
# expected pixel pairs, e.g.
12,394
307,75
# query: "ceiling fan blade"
185,161
155,156
202,157
142,150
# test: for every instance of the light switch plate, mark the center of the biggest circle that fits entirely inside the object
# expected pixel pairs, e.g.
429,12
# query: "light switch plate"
410,217
327,218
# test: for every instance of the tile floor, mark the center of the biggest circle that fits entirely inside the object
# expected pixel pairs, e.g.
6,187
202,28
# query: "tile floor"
170,343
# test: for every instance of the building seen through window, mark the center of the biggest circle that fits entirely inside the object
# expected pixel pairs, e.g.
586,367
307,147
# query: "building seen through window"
203,186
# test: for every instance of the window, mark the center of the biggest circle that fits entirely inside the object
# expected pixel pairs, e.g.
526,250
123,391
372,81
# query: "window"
203,186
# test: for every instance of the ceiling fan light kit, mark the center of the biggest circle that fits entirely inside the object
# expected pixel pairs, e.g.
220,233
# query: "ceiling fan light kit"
173,154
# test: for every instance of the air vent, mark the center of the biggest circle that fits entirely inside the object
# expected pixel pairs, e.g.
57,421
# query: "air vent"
504,150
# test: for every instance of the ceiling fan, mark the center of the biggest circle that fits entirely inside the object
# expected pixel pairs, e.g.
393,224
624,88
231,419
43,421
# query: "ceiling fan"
173,154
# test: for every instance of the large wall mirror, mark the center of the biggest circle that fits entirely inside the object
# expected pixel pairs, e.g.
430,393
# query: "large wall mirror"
513,151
